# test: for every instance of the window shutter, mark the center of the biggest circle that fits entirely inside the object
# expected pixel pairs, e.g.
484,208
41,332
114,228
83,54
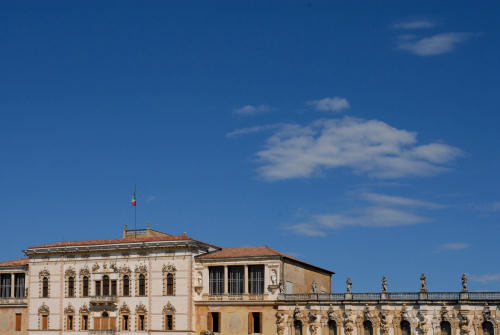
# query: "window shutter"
250,323
260,323
112,323
45,322
218,319
18,322
210,322
97,323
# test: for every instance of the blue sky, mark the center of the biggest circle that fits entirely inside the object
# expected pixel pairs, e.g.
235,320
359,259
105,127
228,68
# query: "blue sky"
360,138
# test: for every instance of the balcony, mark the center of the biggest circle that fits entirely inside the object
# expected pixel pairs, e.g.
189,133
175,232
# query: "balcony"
103,300
103,331
235,297
13,301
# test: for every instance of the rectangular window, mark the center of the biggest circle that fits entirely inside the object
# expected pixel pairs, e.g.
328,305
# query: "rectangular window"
289,287
169,322
236,277
5,285
113,287
69,322
141,324
124,322
256,279
85,322
216,280
45,322
214,322
97,287
19,319
19,287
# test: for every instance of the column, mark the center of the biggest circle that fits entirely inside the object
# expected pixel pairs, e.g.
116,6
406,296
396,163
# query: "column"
226,282
245,284
12,286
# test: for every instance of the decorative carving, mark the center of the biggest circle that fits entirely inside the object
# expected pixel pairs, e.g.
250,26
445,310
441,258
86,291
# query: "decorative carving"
44,309
84,309
366,313
487,314
114,267
384,323
140,309
331,313
199,279
313,324
297,315
124,309
315,286
464,324
280,323
274,277
423,324
405,314
95,267
142,268
44,273
348,325
167,268
69,310
70,272
125,270
168,308
423,283
464,282
84,272
384,284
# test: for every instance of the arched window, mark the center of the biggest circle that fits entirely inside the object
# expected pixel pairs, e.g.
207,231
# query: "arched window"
126,286
488,328
85,286
367,328
332,327
445,328
297,326
105,285
71,287
170,284
45,287
142,285
405,328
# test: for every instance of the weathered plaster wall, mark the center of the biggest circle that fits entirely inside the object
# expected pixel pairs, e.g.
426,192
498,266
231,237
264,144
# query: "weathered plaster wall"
8,320
303,278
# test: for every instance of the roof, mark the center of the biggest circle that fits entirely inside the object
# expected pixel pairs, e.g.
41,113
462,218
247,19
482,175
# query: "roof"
119,241
248,252
15,262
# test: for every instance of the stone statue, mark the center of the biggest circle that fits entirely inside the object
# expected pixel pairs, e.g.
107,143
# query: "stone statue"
280,323
348,325
464,324
274,277
296,313
384,284
384,323
423,283
349,285
423,324
281,287
199,279
464,283
315,287
331,314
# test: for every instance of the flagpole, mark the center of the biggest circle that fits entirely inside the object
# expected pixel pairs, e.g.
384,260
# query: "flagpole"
135,212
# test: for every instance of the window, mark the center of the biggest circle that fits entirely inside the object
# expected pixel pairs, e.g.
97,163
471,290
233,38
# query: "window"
216,280
97,287
488,328
142,285
5,285
445,328
254,323
236,277
367,328
140,322
85,322
45,287
289,287
256,279
169,322
332,327
170,284
71,287
113,287
125,322
19,287
105,285
126,286
69,322
405,328
297,326
19,318
45,322
85,288
214,322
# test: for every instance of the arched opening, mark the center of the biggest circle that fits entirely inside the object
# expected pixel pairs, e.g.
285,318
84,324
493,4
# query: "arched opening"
405,328
71,287
367,328
105,285
297,326
142,284
126,286
445,328
45,287
332,327
85,288
170,284
488,328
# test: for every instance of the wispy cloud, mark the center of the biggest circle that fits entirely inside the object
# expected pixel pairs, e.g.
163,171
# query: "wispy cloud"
486,279
306,229
251,109
433,45
150,198
487,207
414,24
391,200
254,129
335,104
367,147
453,246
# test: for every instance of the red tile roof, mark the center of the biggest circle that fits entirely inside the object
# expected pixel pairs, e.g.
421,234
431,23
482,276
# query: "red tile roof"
15,262
242,252
118,241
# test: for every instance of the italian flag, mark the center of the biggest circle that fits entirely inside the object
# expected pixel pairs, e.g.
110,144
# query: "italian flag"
133,201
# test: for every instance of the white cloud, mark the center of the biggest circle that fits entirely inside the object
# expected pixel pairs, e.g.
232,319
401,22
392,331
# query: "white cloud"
488,207
453,246
368,147
485,279
254,129
391,200
151,198
251,110
415,24
335,104
434,45
306,229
